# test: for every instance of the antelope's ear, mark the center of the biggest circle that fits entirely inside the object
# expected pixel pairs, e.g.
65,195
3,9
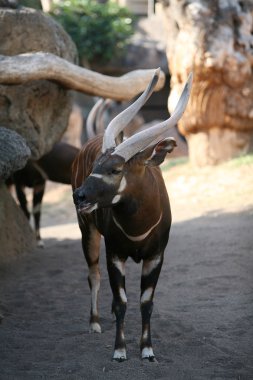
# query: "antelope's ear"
160,150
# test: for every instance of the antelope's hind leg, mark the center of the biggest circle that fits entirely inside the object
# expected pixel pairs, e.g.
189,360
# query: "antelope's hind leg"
38,193
20,192
91,249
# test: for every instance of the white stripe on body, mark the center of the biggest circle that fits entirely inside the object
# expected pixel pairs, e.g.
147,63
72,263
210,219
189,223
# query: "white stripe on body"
122,294
120,265
147,294
139,237
145,334
148,266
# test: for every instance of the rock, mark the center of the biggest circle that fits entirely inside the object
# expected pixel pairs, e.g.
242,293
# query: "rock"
16,235
35,115
217,145
214,40
38,110
10,142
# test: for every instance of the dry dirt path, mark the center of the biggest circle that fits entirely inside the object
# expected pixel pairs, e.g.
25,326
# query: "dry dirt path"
203,314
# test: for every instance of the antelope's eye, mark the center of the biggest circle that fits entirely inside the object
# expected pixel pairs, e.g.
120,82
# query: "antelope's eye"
115,171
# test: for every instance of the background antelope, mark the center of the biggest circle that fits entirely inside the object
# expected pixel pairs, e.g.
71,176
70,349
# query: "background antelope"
54,166
119,192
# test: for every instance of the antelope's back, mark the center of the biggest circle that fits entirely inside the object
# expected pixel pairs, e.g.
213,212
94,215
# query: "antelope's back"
58,162
83,163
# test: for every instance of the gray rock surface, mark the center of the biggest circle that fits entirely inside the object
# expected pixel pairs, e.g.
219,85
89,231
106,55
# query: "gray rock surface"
34,115
14,152
38,110
16,235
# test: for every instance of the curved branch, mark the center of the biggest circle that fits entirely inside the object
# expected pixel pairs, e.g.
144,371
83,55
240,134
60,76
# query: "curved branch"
22,68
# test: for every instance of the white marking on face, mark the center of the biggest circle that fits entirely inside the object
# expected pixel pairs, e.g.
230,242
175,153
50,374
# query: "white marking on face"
146,296
116,199
147,352
122,185
120,353
122,294
100,176
95,327
109,180
120,265
148,266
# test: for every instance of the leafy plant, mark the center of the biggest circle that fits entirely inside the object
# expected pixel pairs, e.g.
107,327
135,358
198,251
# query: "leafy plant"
100,31
170,163
30,3
241,160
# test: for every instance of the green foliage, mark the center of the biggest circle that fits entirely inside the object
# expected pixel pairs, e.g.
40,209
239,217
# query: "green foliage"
100,31
241,160
30,3
171,162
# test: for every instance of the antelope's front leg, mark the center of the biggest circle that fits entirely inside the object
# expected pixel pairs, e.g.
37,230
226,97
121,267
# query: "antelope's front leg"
91,247
149,277
116,271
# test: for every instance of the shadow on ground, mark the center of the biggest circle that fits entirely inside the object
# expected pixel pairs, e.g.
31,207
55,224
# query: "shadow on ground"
202,319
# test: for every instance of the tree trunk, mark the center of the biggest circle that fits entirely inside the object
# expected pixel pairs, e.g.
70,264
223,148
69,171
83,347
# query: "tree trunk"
214,40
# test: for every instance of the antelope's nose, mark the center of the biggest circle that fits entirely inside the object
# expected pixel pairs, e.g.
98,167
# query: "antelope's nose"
79,196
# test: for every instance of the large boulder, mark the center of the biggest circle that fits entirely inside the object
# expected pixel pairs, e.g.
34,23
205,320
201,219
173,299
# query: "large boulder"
16,235
14,153
214,40
38,110
35,115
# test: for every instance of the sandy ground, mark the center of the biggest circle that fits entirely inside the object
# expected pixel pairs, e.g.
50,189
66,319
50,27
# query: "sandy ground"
202,322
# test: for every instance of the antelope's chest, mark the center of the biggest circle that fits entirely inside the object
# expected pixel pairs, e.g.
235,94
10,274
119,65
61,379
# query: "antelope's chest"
126,240
138,247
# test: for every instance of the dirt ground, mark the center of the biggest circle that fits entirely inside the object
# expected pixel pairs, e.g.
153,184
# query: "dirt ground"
202,322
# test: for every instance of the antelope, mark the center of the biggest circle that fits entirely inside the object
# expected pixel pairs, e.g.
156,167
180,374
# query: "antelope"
103,111
119,192
54,166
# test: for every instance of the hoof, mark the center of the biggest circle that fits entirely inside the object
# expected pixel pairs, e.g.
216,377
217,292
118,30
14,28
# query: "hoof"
119,355
95,328
151,359
40,244
148,354
119,360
